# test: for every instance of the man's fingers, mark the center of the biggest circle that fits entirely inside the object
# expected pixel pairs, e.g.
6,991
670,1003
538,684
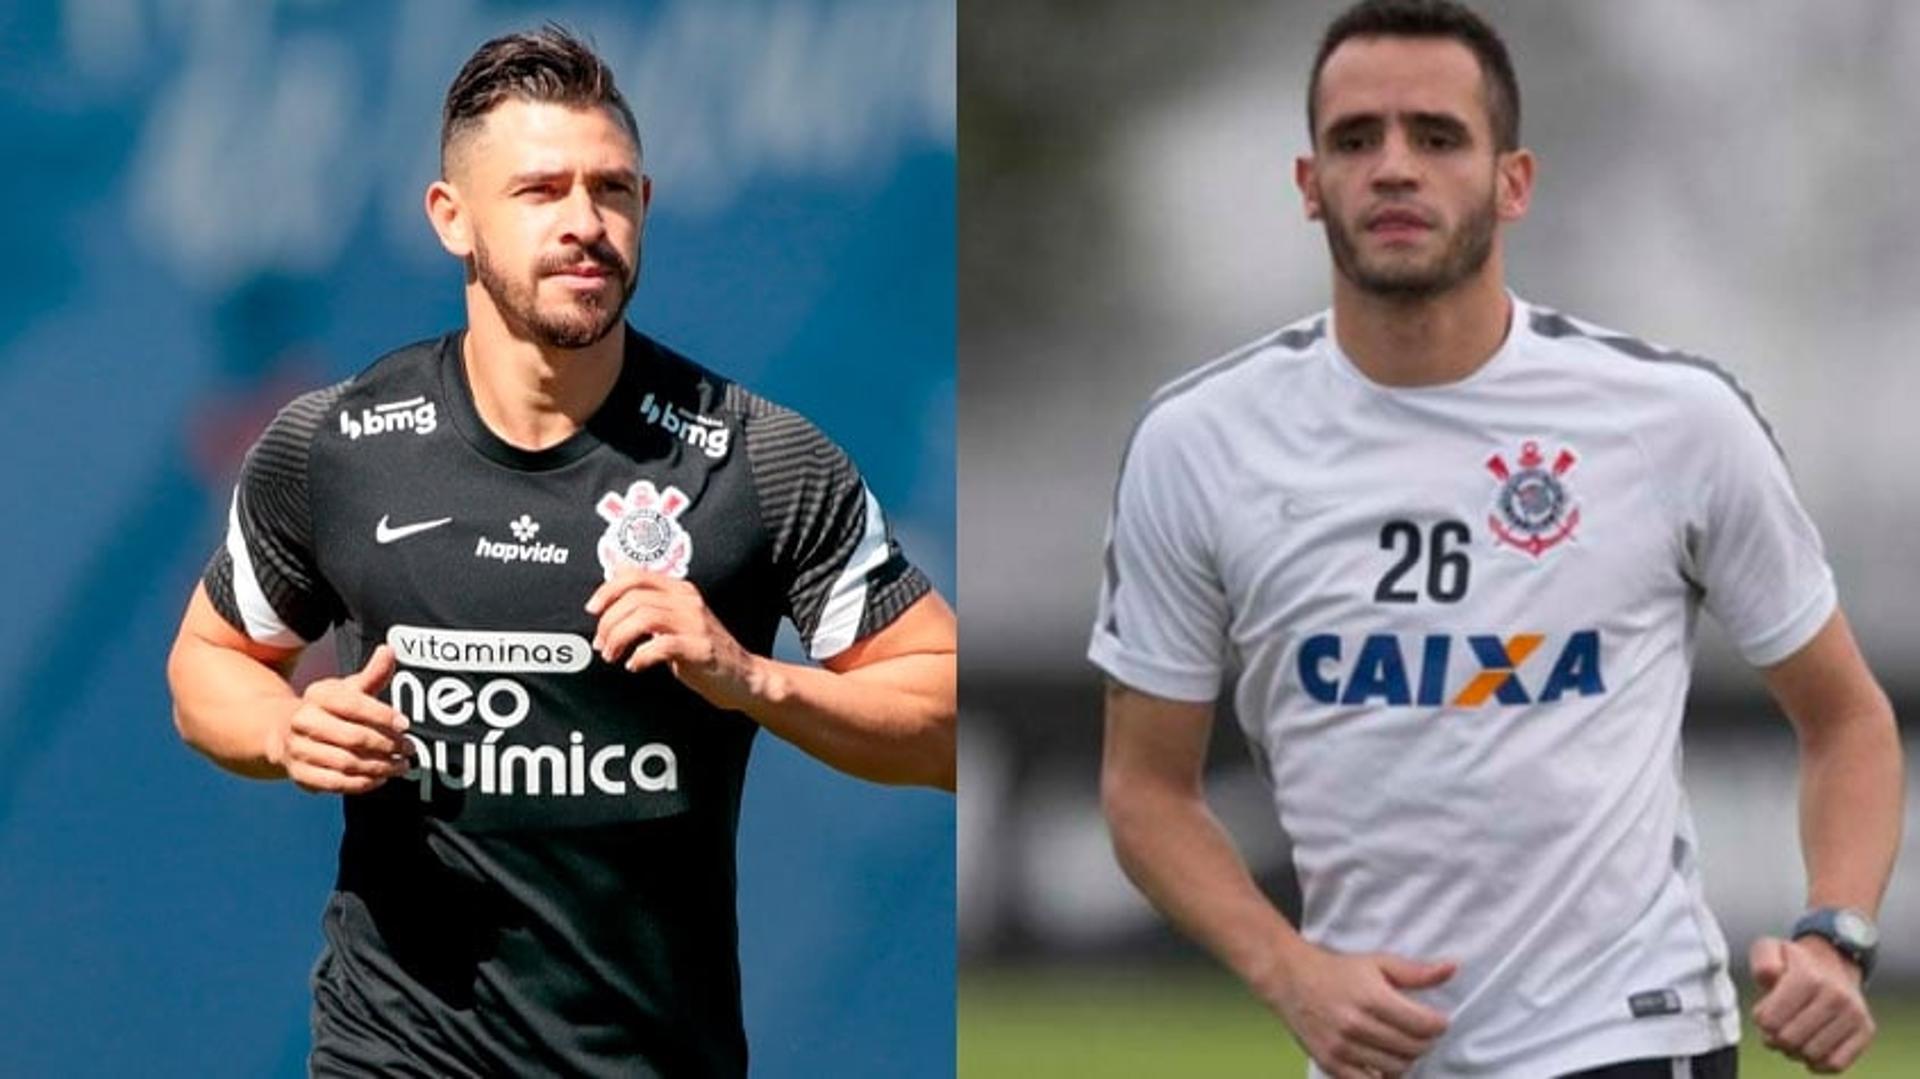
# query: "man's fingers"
320,781
1410,1017
336,771
1391,1032
626,607
1850,1050
620,607
1402,1012
1788,997
1797,1030
372,678
1818,1050
659,648
1768,957
345,762
1405,973
344,703
617,638
365,739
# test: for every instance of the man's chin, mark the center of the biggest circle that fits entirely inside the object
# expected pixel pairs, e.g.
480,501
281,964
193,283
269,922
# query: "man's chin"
1402,283
576,329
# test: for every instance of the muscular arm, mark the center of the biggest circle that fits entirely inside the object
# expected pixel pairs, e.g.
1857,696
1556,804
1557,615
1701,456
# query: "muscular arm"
232,702
1851,787
883,709
1172,846
1347,1011
229,691
1851,777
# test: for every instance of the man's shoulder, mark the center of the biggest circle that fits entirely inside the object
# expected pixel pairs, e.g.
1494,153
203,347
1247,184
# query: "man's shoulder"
1606,352
400,390
1685,387
695,402
1238,378
667,376
395,392
413,367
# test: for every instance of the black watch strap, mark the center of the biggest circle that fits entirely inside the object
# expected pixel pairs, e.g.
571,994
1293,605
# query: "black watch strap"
1851,933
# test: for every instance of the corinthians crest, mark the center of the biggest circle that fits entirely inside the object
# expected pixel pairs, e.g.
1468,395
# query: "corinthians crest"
643,529
1532,511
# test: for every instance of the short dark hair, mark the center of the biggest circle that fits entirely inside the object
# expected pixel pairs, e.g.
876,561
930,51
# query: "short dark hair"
548,65
1431,19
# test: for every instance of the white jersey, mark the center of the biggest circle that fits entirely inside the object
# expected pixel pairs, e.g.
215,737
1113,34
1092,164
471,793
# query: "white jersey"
1462,618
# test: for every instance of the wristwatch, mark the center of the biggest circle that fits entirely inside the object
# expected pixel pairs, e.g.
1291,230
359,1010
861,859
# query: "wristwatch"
1851,933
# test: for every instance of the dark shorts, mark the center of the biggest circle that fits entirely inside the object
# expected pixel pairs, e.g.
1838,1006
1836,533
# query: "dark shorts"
1719,1064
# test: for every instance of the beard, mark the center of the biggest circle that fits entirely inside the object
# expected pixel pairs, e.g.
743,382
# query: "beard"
583,320
1466,251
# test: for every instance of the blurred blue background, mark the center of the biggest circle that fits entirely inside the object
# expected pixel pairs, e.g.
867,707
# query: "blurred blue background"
211,205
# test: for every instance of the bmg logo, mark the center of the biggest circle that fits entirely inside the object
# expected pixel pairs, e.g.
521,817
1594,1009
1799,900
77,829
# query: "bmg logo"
416,414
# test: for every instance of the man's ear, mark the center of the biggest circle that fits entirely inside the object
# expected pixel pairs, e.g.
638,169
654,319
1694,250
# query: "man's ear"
1515,175
447,212
1307,181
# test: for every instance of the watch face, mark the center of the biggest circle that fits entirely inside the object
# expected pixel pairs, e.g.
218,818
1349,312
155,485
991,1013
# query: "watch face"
1855,929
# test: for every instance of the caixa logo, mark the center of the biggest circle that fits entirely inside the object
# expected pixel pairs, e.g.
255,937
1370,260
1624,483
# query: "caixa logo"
1389,669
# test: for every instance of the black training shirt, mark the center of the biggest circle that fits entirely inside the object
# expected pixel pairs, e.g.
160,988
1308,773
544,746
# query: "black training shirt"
551,889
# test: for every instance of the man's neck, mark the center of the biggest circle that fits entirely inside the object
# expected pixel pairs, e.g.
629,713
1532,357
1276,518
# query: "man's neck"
529,395
1430,341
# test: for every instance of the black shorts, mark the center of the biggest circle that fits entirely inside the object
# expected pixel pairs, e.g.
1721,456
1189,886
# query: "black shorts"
1719,1064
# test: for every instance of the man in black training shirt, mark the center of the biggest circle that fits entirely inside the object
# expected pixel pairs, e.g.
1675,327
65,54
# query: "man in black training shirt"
554,554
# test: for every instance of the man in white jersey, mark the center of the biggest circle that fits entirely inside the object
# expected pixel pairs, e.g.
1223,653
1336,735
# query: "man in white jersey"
1454,544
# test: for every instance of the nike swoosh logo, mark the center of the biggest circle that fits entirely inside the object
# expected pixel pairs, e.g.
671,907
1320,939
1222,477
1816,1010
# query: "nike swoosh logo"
1298,509
383,533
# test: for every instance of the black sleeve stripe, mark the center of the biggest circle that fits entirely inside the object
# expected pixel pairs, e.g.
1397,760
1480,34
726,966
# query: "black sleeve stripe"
275,521
218,579
814,505
890,591
1549,323
798,475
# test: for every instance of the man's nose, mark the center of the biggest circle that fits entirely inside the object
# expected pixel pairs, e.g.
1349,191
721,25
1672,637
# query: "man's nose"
581,221
1397,167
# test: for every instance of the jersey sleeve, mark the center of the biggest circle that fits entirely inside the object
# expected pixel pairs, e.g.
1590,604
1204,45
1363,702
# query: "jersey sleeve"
841,569
264,579
1751,548
1161,627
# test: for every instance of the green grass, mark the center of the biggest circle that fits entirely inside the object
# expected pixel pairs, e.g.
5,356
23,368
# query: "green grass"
1181,1021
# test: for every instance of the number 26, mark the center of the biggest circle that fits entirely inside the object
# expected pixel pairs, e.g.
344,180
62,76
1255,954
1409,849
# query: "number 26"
1448,568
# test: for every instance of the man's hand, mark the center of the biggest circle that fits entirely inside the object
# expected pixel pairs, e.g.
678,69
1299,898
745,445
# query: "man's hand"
1811,1008
340,739
1349,1014
663,619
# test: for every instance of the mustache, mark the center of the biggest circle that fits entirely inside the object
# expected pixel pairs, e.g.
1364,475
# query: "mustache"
600,253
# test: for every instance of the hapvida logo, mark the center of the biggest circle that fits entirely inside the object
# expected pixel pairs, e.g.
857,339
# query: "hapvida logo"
1390,670
523,549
